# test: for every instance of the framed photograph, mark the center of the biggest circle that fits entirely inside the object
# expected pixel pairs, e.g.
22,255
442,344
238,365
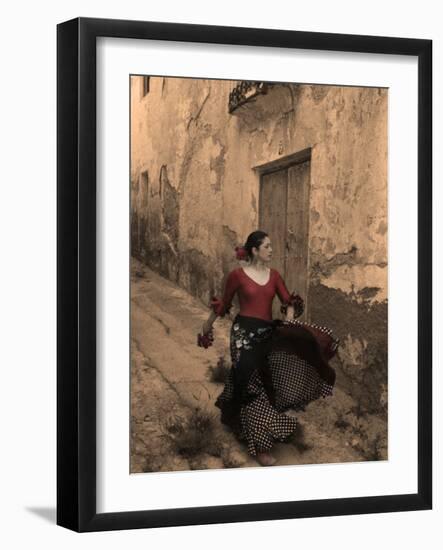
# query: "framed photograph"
244,274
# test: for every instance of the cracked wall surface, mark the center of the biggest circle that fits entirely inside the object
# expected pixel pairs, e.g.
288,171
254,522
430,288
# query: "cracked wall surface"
195,196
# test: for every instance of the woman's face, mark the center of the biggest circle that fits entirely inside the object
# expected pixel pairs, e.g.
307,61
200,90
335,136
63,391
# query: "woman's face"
264,252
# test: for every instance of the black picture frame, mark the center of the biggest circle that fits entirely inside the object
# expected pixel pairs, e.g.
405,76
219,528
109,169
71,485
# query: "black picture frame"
76,273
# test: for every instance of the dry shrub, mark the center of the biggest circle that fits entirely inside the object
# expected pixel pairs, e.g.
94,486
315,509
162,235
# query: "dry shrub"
220,372
192,434
297,439
151,462
365,434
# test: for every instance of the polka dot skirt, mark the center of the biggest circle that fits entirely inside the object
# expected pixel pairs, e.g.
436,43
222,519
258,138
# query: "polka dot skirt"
260,423
296,383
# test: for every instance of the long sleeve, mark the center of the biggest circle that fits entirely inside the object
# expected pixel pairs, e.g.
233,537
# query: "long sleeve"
222,306
282,291
288,299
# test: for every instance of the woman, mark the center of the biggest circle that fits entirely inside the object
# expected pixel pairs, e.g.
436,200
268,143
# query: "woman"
276,365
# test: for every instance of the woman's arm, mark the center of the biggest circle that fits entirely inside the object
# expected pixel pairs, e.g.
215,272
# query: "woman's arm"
286,298
207,325
220,307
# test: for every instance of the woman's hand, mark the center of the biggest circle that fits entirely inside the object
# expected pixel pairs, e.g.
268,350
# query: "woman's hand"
295,309
206,338
289,313
207,327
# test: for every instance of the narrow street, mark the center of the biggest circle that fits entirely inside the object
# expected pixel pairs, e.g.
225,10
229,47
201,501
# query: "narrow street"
174,423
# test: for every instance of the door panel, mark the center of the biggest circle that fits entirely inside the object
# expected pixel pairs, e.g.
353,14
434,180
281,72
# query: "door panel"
273,220
297,229
284,215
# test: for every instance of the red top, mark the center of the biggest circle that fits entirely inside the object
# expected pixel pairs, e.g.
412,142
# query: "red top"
255,300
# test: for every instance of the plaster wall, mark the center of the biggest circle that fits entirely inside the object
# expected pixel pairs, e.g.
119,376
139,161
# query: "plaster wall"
194,197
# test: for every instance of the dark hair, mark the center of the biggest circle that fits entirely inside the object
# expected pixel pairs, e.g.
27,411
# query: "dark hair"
255,239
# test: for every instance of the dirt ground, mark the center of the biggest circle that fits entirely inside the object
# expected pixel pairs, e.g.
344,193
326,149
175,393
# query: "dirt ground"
174,422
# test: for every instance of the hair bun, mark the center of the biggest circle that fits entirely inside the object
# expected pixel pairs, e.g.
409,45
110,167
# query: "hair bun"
241,253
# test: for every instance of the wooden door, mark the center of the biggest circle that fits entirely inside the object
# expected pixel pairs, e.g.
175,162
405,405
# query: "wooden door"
284,215
297,230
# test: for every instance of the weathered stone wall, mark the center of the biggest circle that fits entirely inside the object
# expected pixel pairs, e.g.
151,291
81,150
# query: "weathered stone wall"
194,196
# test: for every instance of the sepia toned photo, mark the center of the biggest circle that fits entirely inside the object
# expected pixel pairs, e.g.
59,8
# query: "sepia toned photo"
259,274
